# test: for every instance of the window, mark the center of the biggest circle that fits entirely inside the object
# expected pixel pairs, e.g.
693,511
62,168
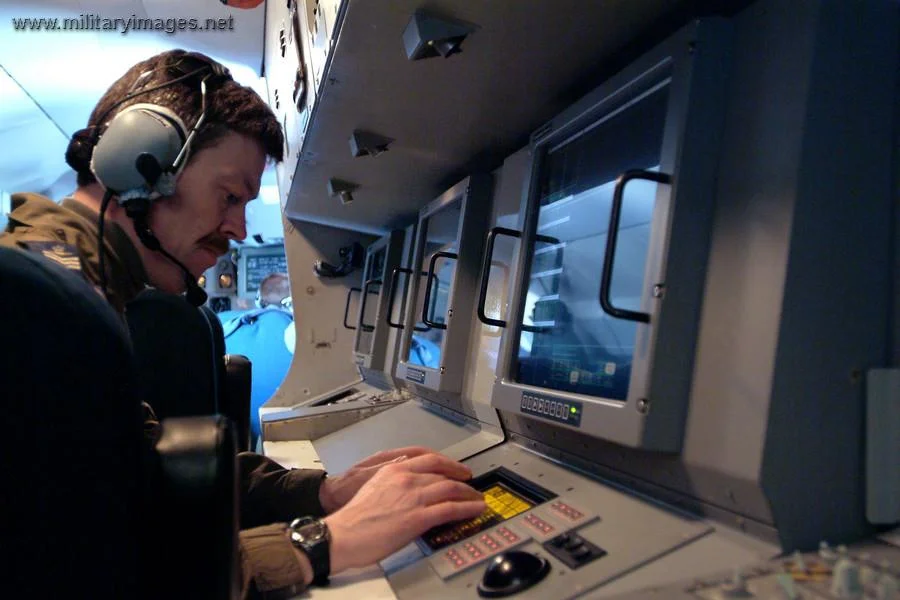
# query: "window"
5,207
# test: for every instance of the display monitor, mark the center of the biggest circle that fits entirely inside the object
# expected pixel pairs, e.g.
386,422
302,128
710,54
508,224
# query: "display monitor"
619,208
441,292
567,342
256,264
372,348
440,236
373,272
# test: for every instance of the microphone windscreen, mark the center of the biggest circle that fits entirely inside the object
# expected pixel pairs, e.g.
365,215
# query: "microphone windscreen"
193,293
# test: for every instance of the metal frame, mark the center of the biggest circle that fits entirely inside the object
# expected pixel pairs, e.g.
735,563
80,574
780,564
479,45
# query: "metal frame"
474,196
652,416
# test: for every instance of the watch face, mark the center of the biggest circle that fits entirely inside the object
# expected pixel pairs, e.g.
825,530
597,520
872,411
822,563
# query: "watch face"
310,532
311,536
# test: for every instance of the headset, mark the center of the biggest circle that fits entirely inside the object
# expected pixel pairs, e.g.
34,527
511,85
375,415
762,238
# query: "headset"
139,155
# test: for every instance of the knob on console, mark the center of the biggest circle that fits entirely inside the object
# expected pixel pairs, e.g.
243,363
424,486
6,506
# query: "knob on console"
845,579
512,572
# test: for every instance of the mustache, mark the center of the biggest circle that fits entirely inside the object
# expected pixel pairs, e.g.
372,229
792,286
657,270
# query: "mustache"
217,243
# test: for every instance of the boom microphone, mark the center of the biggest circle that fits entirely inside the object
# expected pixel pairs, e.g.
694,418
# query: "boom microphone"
193,293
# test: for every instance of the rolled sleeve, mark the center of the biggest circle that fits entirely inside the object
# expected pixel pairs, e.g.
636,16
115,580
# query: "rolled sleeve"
271,493
270,567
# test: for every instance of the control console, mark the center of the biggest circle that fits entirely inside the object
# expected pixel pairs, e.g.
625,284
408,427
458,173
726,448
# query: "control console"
511,519
547,532
865,571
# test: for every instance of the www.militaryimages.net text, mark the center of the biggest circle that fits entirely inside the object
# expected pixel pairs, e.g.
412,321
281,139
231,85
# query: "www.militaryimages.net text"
123,25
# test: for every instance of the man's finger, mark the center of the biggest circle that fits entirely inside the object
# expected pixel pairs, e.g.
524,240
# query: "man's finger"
420,481
377,466
438,463
449,490
438,514
386,456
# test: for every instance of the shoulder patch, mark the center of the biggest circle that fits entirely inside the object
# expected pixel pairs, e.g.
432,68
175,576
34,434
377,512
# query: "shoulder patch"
60,253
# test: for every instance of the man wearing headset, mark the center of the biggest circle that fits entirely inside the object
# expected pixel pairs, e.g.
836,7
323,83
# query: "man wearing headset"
172,154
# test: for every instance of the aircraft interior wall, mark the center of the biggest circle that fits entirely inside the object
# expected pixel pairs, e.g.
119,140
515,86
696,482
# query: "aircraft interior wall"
324,346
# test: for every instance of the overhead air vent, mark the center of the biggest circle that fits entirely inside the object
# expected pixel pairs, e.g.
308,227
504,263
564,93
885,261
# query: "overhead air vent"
342,189
366,143
427,36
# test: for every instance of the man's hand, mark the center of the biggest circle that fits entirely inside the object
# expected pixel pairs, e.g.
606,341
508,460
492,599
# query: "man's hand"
337,491
401,501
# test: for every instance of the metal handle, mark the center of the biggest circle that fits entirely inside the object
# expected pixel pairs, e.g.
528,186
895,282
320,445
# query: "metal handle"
347,306
486,273
362,308
393,296
611,237
431,277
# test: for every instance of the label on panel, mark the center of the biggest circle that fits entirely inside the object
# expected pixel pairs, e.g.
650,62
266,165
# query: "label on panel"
415,375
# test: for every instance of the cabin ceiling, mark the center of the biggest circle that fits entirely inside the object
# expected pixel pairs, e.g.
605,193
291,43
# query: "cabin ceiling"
526,62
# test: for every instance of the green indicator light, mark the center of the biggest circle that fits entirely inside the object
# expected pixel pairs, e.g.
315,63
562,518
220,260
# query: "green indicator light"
573,410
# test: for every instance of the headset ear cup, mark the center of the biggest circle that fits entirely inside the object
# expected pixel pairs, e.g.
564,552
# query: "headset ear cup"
140,134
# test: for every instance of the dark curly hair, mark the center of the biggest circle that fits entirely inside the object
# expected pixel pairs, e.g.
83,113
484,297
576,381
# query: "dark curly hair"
230,107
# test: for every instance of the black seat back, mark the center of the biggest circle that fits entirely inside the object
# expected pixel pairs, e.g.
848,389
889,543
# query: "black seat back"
176,355
71,508
235,401
217,337
182,365
91,506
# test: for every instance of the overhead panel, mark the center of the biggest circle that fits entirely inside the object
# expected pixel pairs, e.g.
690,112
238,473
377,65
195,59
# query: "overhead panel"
519,65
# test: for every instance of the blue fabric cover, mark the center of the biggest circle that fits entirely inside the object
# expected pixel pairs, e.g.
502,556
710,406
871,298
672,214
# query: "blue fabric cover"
259,335
424,352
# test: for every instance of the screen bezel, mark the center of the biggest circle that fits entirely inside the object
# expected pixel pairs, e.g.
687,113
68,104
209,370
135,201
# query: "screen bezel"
473,193
653,414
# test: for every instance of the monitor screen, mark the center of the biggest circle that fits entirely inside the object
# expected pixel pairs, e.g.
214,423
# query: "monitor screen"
440,231
261,265
567,341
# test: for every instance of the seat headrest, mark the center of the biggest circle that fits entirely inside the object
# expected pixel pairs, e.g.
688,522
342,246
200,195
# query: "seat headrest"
176,363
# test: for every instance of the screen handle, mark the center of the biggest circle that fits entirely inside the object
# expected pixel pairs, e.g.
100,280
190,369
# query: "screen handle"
611,237
486,272
431,278
347,306
362,308
393,296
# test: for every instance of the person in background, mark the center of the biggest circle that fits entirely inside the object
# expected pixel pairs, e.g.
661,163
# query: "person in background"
273,290
265,335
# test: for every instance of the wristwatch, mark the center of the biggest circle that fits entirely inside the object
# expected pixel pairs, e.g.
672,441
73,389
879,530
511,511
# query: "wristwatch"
311,536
